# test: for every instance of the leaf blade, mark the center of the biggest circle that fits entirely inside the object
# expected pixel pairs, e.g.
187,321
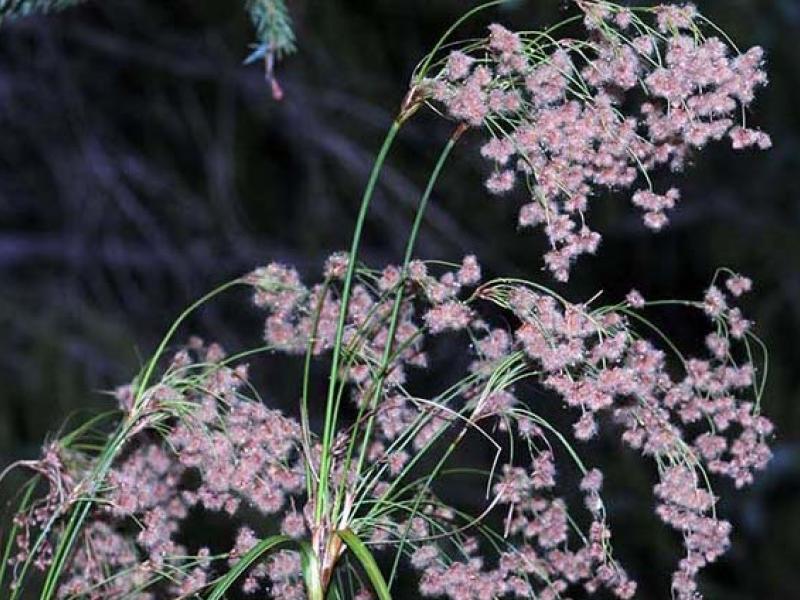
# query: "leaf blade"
251,556
367,561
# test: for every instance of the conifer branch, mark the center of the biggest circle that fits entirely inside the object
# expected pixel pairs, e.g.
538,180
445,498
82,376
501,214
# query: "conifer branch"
270,18
273,26
14,9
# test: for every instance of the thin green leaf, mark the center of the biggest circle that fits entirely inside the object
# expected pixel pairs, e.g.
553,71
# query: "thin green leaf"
255,553
311,572
367,561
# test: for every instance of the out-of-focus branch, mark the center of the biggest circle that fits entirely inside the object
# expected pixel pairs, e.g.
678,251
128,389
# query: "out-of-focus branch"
14,9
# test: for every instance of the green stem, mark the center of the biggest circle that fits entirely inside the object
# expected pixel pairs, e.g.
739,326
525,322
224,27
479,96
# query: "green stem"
304,418
386,359
330,413
495,382
151,365
422,71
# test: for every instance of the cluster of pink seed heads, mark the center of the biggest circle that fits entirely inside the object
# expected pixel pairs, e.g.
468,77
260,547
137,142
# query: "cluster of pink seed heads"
230,455
570,117
559,119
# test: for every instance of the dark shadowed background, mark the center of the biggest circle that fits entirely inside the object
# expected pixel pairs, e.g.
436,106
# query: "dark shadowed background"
141,164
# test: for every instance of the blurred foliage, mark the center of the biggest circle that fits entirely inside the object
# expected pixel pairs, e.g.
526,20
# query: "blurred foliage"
141,164
270,18
273,25
13,9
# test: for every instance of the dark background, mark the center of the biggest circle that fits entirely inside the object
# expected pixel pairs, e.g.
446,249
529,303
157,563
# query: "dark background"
141,165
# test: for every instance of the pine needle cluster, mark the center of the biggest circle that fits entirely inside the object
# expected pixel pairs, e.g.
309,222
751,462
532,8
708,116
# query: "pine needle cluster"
271,20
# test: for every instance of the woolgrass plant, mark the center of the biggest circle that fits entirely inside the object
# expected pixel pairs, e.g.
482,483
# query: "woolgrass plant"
340,510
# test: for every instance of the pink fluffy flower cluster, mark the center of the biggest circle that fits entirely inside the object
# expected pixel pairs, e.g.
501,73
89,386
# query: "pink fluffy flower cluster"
569,117
223,452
